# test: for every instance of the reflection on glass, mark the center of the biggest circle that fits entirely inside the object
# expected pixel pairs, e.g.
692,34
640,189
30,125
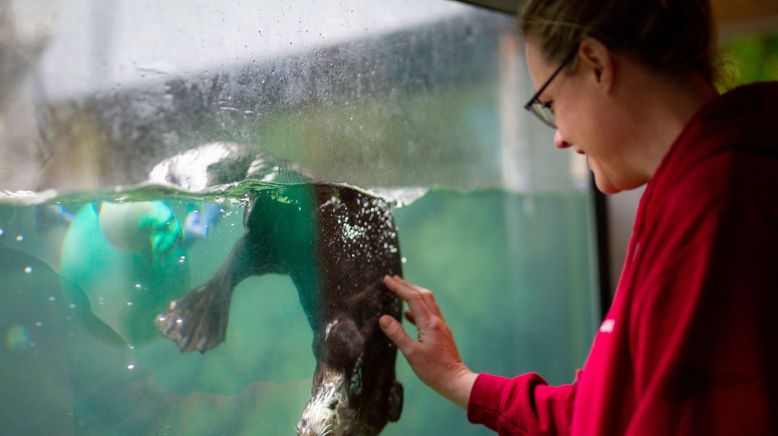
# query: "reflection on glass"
369,93
114,105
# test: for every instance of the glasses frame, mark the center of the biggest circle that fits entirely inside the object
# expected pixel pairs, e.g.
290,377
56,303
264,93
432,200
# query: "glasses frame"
534,105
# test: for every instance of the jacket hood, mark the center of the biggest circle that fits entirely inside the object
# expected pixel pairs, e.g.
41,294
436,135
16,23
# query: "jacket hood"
743,121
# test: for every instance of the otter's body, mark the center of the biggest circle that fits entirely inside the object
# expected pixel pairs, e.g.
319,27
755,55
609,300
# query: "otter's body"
335,242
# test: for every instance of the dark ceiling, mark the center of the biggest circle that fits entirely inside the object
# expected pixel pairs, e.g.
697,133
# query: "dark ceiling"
732,16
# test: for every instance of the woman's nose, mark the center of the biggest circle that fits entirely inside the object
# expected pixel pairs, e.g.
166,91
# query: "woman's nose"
559,142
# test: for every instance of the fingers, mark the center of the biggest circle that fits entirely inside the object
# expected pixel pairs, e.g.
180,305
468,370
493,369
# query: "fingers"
409,317
434,356
427,295
416,301
429,298
397,334
410,293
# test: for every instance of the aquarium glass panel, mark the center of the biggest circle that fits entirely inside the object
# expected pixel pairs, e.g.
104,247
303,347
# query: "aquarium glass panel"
150,150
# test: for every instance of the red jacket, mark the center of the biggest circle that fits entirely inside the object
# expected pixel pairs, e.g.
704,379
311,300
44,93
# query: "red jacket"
690,344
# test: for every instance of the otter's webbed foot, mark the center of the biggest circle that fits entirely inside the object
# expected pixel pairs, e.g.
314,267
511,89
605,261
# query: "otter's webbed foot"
197,321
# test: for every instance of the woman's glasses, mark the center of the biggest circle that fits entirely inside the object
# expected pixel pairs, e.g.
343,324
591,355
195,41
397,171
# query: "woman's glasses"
544,111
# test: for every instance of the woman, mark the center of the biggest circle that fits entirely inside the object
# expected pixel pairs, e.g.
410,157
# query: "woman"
685,347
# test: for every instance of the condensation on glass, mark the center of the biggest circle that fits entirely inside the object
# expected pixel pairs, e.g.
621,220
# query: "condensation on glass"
415,100
376,94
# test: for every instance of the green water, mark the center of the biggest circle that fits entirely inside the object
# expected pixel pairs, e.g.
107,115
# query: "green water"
79,355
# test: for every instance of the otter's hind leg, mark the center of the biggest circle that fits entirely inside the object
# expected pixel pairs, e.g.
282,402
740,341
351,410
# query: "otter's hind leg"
198,320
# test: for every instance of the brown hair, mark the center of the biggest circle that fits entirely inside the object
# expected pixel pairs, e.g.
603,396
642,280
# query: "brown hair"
674,36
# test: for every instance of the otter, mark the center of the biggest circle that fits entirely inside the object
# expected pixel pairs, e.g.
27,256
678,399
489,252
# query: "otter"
336,243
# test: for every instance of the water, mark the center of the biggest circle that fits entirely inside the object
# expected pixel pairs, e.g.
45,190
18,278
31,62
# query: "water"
79,353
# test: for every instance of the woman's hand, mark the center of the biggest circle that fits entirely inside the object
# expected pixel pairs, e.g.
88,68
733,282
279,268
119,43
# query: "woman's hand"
434,356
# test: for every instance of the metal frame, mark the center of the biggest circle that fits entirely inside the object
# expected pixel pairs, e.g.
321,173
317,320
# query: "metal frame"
507,6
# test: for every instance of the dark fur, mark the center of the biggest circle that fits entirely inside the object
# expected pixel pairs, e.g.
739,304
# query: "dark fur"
336,243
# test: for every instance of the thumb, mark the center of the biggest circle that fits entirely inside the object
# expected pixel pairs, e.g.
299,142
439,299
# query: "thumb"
396,333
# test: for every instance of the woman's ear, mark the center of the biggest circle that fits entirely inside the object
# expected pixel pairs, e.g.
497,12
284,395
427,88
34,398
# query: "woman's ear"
597,59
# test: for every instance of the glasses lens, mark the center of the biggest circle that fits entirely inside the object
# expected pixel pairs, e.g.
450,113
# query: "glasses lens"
544,113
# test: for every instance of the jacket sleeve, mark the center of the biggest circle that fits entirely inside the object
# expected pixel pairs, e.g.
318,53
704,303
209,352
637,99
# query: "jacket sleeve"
524,405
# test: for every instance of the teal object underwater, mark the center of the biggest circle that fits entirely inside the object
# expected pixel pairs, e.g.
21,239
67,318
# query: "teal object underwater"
129,261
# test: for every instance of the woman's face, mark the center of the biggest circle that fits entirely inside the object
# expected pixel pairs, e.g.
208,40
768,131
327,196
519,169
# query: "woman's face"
586,118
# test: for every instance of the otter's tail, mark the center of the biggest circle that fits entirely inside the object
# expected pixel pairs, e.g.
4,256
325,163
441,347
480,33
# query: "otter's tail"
198,320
